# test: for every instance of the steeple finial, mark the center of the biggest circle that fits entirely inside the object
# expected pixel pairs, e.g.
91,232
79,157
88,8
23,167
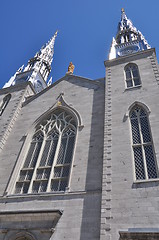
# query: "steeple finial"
122,10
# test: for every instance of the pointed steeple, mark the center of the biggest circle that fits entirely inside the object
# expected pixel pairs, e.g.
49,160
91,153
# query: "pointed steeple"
43,59
37,69
125,23
128,39
47,51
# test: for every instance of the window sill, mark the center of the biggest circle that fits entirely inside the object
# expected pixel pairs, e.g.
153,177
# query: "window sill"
46,195
146,180
132,88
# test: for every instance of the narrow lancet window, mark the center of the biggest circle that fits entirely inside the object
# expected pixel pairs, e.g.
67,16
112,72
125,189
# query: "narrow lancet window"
4,103
48,161
132,76
142,144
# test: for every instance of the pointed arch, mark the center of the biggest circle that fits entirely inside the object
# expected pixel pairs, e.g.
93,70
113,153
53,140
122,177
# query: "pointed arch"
62,104
142,105
132,76
48,161
145,165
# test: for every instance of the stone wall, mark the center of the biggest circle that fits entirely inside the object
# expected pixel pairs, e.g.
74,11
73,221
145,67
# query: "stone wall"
132,205
80,204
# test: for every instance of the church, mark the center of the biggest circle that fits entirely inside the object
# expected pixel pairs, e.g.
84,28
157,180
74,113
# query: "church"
79,158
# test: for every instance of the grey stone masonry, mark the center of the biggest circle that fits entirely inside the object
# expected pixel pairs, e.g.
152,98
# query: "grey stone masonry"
80,205
9,116
128,205
106,183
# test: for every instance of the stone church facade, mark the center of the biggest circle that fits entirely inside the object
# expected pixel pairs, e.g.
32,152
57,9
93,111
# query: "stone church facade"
79,158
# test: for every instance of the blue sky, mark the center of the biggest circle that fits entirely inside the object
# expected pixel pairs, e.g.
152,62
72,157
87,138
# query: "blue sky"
86,28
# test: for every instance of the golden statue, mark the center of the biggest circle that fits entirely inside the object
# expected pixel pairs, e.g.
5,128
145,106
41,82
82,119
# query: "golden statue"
122,10
71,68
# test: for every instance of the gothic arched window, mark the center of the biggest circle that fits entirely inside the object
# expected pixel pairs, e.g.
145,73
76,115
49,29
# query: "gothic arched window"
142,144
132,77
4,103
48,161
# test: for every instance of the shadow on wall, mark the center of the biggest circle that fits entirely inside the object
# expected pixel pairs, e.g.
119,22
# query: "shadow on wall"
90,227
145,184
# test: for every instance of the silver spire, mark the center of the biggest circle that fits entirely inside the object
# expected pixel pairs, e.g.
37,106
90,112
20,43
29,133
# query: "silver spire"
37,69
47,51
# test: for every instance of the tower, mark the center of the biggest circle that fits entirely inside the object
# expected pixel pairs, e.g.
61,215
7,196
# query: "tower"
130,162
37,69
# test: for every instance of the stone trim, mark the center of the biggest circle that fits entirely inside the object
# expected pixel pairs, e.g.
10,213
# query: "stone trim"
48,196
11,120
129,58
138,235
155,67
41,222
17,88
12,117
106,181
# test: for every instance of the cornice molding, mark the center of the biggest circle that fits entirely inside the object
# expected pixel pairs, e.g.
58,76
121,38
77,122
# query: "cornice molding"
131,57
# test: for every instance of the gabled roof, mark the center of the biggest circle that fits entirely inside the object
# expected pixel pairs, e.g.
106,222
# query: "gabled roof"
67,77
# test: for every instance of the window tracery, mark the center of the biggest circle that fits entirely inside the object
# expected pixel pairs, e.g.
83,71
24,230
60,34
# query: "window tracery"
48,161
142,144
